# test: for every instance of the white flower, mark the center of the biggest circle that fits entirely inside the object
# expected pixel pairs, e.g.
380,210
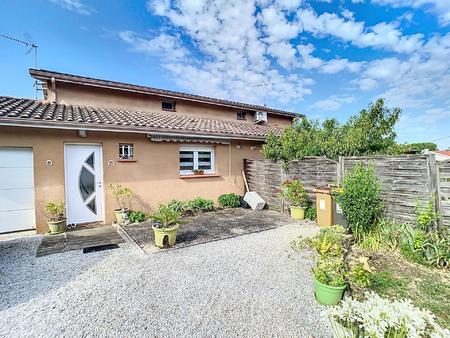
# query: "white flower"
376,315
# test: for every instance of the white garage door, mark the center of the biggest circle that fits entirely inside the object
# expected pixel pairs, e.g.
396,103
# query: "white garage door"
16,190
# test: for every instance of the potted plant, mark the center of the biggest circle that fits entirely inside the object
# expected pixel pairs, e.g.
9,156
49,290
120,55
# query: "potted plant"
55,214
166,223
123,196
198,171
329,280
293,191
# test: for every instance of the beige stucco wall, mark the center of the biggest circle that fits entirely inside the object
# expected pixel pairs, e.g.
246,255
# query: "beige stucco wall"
101,97
154,177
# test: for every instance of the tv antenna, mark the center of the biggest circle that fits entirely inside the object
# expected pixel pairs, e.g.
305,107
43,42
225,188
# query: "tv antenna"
31,47
265,86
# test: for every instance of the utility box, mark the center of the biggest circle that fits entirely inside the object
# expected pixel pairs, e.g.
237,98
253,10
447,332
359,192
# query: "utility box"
254,200
324,206
338,215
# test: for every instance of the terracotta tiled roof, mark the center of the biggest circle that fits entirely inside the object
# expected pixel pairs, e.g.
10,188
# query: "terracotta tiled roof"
36,113
46,75
443,152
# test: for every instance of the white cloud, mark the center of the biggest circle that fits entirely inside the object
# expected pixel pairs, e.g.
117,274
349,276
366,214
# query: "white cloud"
367,84
382,35
421,81
237,49
333,66
76,6
439,7
163,45
337,65
333,102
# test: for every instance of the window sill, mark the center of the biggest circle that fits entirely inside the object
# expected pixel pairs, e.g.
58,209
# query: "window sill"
119,160
199,176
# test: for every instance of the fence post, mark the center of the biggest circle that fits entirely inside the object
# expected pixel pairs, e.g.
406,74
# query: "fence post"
433,183
438,195
340,170
282,175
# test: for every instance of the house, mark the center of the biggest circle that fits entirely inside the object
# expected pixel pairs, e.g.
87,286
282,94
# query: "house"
440,155
89,133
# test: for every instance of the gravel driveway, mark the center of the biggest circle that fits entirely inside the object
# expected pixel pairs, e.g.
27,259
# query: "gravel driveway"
251,286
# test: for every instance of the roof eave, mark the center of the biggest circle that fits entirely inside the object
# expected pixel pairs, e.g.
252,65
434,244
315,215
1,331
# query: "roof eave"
13,122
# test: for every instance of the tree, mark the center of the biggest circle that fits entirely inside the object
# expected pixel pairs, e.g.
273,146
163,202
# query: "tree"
369,132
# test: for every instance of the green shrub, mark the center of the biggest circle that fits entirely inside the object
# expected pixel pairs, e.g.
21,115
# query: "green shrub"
166,217
360,199
229,200
54,211
330,272
329,242
385,235
430,248
293,191
178,206
359,276
426,216
311,213
200,204
191,207
137,216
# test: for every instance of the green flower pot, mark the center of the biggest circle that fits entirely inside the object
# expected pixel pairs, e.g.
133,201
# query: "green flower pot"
329,295
161,233
297,212
57,227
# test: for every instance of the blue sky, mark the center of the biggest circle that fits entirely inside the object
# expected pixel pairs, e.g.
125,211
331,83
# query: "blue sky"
321,58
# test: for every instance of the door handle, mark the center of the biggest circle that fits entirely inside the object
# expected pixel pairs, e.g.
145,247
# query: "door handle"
99,184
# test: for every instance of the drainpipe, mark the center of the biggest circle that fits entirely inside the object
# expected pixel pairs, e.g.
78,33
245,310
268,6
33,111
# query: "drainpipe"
53,88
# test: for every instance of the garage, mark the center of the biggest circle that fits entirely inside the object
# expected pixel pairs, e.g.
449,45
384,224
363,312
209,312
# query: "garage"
17,210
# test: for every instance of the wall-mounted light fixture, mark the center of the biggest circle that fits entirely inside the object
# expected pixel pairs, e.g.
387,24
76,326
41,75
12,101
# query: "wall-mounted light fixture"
49,163
110,163
238,146
253,147
82,133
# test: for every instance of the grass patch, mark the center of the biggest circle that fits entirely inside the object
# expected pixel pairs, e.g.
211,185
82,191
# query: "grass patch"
396,278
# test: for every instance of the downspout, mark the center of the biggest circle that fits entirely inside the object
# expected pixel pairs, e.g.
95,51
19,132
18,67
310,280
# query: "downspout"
229,159
54,88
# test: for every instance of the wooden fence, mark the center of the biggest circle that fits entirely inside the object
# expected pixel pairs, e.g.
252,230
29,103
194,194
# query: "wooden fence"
405,180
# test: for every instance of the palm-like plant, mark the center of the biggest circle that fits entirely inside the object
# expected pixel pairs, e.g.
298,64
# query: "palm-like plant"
166,217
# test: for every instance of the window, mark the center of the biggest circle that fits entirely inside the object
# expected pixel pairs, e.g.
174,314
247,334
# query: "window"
126,151
196,158
241,115
168,105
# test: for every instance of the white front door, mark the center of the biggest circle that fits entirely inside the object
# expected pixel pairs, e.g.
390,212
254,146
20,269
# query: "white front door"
84,183
16,190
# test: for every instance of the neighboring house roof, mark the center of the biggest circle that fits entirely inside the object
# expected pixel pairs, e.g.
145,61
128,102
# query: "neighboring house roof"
442,152
45,75
36,113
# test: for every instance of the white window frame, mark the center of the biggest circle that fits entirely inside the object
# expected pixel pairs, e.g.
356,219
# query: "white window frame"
130,147
196,149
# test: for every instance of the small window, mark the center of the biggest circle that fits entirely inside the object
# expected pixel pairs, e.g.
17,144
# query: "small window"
196,158
241,115
168,105
126,151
